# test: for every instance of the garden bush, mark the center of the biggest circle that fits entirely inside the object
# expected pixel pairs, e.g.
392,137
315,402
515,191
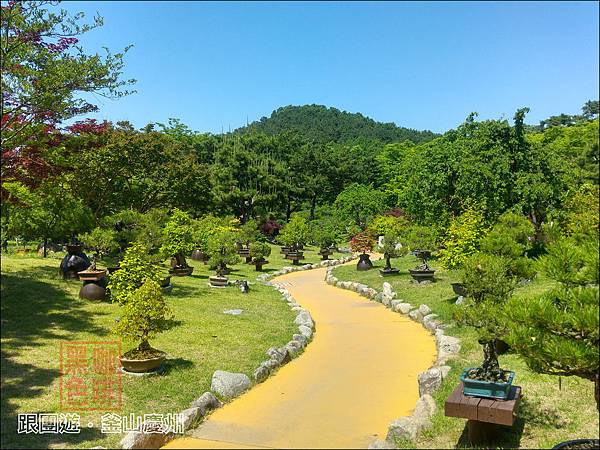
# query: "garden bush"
462,238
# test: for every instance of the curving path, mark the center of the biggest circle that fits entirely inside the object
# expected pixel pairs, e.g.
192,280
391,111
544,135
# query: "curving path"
356,376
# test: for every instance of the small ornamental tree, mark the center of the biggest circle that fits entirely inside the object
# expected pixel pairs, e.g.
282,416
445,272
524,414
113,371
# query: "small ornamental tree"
423,239
270,229
203,228
557,332
295,233
462,238
390,249
149,230
362,242
249,232
177,237
145,314
136,269
323,235
389,224
101,241
489,284
259,251
222,250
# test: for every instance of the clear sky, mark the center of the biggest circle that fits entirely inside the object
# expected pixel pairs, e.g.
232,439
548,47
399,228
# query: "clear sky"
423,65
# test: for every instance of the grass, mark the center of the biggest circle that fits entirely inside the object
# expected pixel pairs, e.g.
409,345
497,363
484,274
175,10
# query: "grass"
548,414
39,310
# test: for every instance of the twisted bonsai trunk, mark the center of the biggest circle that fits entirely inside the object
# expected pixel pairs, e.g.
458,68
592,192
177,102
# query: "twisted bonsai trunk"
181,262
388,264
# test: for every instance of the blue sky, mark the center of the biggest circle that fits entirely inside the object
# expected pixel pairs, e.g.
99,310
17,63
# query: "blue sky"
423,65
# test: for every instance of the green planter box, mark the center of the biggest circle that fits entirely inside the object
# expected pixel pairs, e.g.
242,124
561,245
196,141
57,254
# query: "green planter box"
486,389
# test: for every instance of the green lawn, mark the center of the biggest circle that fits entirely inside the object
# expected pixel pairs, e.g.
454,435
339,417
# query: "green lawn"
39,310
548,414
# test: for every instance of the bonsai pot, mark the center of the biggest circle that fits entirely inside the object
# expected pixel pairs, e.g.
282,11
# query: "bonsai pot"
217,281
91,275
295,257
166,285
245,253
93,291
578,444
486,389
75,261
387,272
259,264
114,269
181,271
459,289
325,252
142,365
420,275
364,262
285,249
73,249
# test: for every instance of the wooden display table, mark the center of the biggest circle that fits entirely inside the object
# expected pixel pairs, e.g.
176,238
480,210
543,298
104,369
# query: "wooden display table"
484,414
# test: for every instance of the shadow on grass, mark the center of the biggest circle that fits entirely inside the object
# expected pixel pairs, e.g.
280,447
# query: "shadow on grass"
174,364
34,311
508,437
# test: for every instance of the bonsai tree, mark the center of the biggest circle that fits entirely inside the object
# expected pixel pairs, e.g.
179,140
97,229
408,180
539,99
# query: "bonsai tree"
149,231
325,237
101,241
222,250
489,284
202,229
423,240
259,251
136,268
145,314
249,232
178,238
390,250
270,229
557,332
295,233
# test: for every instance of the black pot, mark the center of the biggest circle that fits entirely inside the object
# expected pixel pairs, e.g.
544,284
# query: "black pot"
259,264
421,275
578,444
217,281
364,262
75,261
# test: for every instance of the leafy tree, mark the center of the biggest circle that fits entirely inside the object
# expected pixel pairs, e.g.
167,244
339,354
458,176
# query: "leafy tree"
295,234
362,242
557,332
136,269
382,225
145,314
323,234
420,237
591,109
203,228
359,203
178,237
44,73
259,251
462,238
249,232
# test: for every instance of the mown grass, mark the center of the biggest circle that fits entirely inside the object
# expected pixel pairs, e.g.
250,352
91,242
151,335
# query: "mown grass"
39,310
548,414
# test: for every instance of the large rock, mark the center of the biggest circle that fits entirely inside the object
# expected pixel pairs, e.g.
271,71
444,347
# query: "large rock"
448,347
189,417
380,443
206,402
229,384
403,308
424,310
388,290
429,381
300,338
280,355
294,347
304,318
425,408
136,439
404,428
261,373
430,322
305,331
416,315
378,297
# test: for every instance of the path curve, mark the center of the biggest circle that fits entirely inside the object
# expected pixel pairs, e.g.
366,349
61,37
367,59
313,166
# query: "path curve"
357,375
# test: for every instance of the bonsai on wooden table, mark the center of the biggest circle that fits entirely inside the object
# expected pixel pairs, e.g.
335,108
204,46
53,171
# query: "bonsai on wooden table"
294,235
259,251
363,243
391,249
222,251
144,315
324,236
489,284
177,242
422,240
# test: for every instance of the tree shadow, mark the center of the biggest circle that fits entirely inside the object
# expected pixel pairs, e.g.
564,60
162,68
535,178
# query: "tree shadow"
175,364
508,437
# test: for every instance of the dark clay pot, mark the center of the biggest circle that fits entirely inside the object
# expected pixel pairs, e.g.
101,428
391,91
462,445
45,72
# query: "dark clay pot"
421,275
364,262
578,444
142,365
197,255
94,290
75,261
181,271
217,281
259,264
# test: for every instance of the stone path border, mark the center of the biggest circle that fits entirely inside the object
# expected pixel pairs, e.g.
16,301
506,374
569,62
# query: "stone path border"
448,347
230,385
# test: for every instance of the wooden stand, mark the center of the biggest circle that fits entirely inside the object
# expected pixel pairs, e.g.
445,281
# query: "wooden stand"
484,414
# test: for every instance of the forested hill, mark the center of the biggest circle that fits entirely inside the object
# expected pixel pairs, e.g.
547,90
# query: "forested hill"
325,124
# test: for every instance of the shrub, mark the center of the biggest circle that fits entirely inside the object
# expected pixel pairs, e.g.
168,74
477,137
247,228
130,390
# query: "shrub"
222,249
145,314
149,229
359,203
203,228
362,242
389,224
249,232
259,251
462,238
177,237
295,233
270,229
323,234
136,269
420,237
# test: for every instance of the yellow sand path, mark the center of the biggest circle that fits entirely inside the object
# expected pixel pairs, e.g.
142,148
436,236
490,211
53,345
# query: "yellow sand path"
358,374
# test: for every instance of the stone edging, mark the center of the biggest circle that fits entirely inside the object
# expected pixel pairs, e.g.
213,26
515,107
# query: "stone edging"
448,347
230,385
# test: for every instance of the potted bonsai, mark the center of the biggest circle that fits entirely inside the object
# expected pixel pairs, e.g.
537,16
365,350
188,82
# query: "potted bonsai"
144,315
248,233
324,237
259,251
222,251
391,248
101,242
177,242
488,281
363,243
294,235
421,240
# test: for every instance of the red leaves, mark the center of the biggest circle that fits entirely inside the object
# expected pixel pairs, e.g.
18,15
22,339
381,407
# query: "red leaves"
88,126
